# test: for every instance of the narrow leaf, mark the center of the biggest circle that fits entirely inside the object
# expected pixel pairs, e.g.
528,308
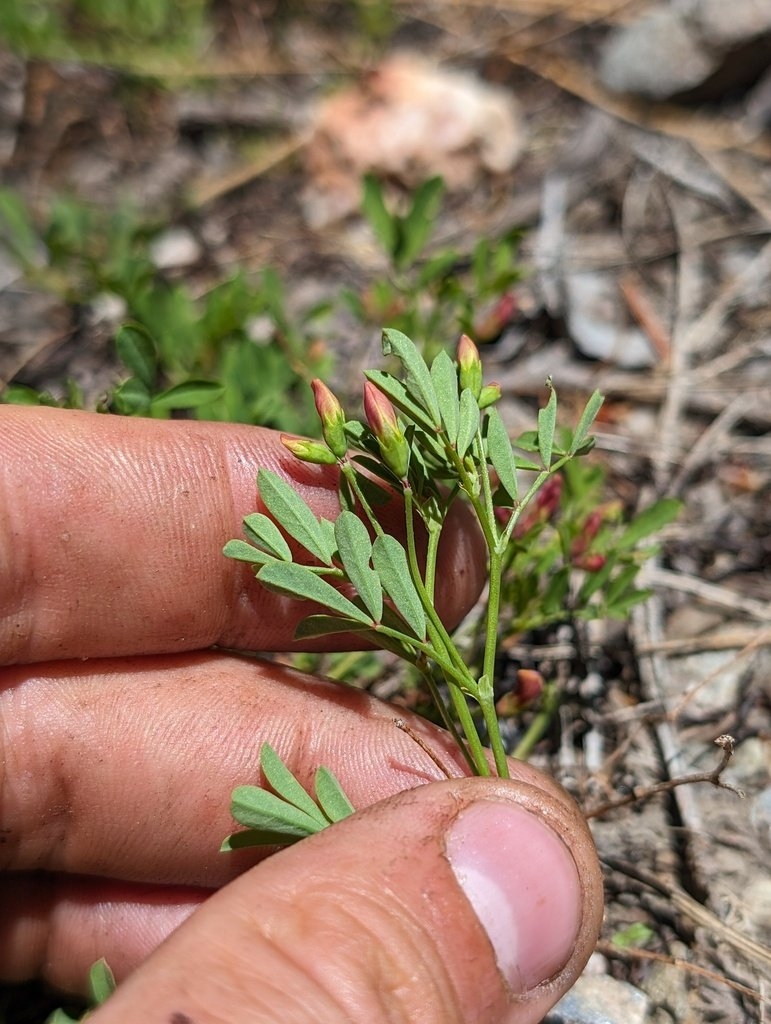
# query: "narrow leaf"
188,395
324,625
331,796
258,837
390,561
137,352
500,453
244,552
468,421
288,508
417,381
257,808
293,580
266,535
101,982
445,378
588,416
649,521
547,422
381,221
355,549
417,226
284,784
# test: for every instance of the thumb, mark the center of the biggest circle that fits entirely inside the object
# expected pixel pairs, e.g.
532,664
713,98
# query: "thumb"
471,900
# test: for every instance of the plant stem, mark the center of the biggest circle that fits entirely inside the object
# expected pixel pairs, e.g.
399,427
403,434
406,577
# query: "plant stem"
550,700
441,640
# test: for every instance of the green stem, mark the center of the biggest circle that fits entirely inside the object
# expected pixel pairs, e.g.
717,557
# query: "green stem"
442,642
487,698
350,475
550,700
537,484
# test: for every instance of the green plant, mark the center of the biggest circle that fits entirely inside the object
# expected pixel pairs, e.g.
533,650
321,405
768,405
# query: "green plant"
448,441
430,296
177,351
105,30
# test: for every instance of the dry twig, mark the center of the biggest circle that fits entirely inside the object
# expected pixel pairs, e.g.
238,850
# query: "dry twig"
641,793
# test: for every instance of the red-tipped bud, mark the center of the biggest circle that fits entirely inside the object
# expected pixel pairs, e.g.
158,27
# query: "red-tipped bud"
469,366
590,563
543,508
589,531
489,395
385,426
308,451
492,323
332,418
528,688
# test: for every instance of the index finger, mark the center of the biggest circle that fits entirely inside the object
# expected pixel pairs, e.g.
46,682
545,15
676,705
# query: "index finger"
111,535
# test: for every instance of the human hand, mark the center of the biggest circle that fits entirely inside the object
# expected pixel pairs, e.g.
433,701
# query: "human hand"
116,771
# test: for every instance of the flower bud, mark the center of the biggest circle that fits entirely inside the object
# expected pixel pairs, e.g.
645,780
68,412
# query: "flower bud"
489,395
590,563
385,426
308,451
332,418
469,366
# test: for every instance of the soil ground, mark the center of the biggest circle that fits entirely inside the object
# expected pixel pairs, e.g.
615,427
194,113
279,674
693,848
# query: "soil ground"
654,219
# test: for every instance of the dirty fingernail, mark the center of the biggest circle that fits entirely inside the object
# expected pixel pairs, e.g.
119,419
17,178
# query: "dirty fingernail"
523,884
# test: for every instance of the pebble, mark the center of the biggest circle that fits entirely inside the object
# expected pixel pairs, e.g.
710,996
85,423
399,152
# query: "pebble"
656,57
174,248
600,999
674,48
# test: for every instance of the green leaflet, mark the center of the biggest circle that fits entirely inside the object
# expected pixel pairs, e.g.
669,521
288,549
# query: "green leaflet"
284,784
188,395
293,580
382,222
331,796
265,812
355,549
138,352
469,422
501,455
264,533
588,416
417,381
390,562
289,509
244,552
547,421
313,626
101,982
649,521
445,378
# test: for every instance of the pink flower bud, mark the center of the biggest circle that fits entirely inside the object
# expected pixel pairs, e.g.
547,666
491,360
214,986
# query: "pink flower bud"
590,563
492,323
469,366
332,418
308,451
528,688
385,426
